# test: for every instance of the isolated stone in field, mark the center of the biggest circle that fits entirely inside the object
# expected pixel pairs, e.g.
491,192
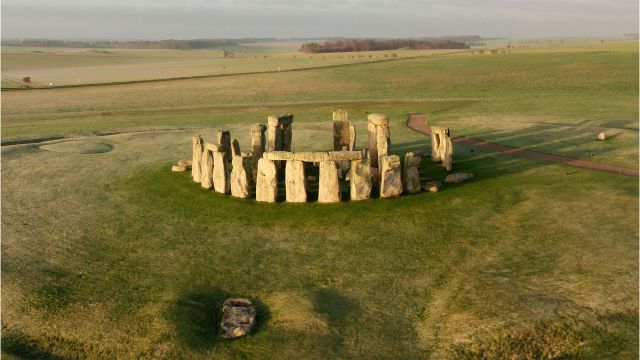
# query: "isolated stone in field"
329,186
432,186
602,136
458,178
257,146
375,124
295,182
360,180
198,147
411,174
235,147
341,133
390,176
220,172
178,168
352,138
441,146
185,163
238,318
206,166
266,181
224,139
241,176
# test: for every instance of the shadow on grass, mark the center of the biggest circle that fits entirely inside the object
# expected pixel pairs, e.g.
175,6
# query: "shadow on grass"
197,314
20,345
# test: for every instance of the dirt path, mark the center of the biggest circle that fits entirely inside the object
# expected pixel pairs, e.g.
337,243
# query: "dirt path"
418,123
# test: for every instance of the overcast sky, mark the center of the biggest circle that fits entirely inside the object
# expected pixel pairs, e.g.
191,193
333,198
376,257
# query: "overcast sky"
188,19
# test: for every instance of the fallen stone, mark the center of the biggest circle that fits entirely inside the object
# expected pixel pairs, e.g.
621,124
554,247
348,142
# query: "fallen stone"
458,178
432,186
266,181
360,180
390,177
602,136
295,182
238,318
329,185
178,168
185,163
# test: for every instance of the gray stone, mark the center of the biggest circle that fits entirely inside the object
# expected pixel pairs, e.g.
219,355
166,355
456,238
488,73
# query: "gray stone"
340,129
221,182
196,158
411,173
390,177
329,185
258,142
238,318
458,178
267,181
241,176
432,186
360,180
295,182
206,166
235,147
224,139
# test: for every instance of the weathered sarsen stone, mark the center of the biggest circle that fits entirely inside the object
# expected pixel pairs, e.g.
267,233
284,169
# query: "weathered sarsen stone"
340,130
376,123
258,141
352,138
197,156
238,318
235,147
360,180
329,184
458,178
224,139
206,166
241,175
390,177
411,173
295,182
441,146
267,181
220,172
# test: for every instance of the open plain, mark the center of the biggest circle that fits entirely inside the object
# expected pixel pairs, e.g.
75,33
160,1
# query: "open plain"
108,254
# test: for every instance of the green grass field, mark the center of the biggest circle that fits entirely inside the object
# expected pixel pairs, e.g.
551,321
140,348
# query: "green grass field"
107,254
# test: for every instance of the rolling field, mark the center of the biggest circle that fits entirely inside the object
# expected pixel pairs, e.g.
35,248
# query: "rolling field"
107,254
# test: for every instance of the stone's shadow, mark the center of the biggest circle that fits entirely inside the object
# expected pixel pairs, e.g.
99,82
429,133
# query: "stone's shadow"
22,346
339,310
197,314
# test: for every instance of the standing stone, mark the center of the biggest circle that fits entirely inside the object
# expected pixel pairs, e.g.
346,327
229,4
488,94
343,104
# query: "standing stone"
206,166
329,185
257,146
441,146
267,181
341,133
375,124
235,147
352,138
360,180
343,165
274,135
295,181
383,142
241,175
220,172
198,147
390,177
224,139
411,174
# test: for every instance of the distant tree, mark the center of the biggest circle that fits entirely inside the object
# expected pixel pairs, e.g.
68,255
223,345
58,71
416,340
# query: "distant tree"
26,79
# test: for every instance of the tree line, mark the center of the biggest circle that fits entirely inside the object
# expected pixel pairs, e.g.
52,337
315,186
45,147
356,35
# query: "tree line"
373,45
126,44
